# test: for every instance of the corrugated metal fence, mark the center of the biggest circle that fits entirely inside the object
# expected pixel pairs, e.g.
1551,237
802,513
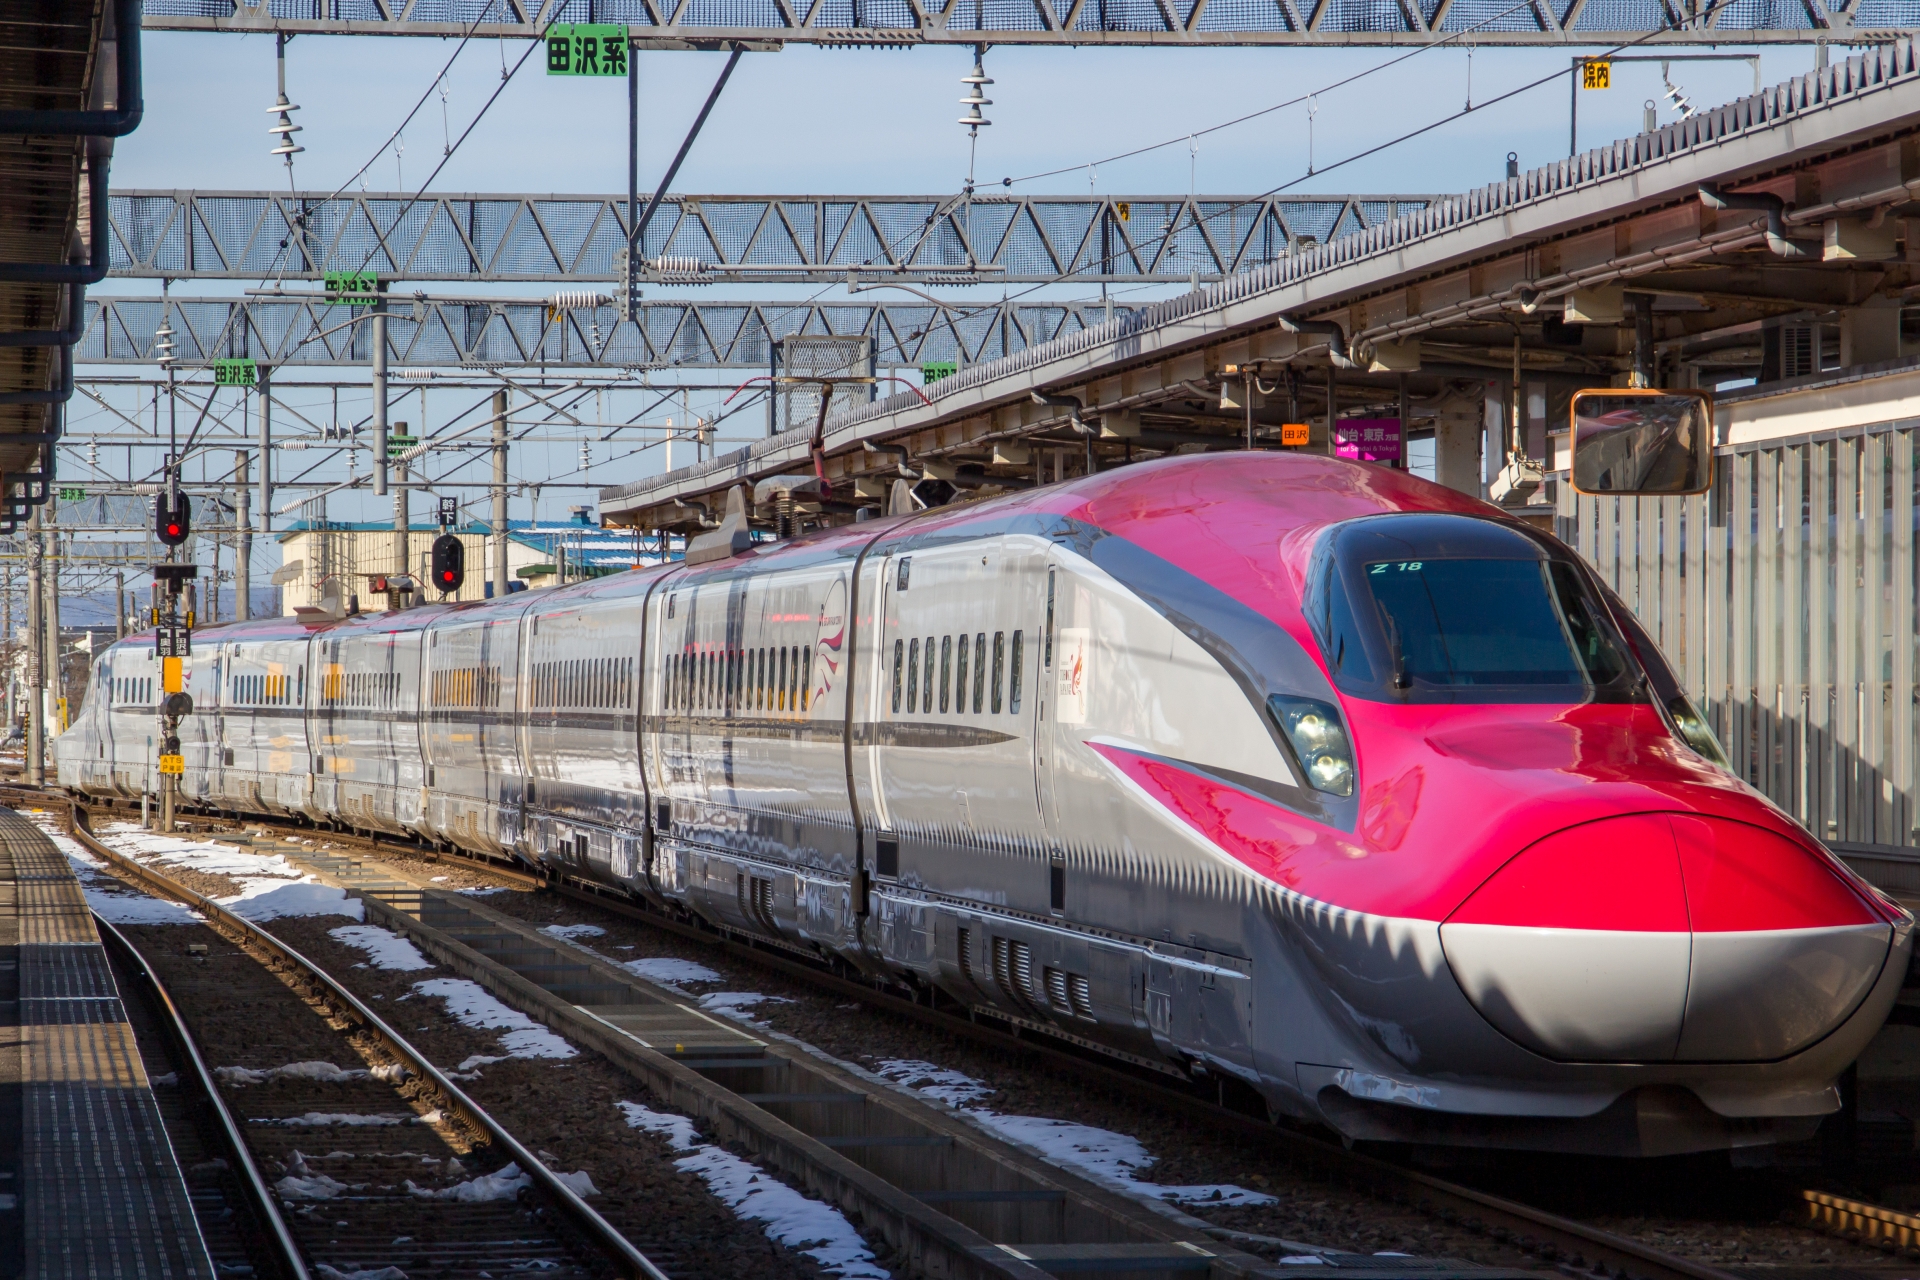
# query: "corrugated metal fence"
1785,597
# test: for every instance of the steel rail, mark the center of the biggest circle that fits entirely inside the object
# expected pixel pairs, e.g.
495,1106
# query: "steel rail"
597,1230
265,1207
1561,1241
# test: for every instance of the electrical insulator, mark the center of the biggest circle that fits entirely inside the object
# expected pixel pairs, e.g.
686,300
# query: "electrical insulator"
284,130
93,453
163,345
976,98
586,455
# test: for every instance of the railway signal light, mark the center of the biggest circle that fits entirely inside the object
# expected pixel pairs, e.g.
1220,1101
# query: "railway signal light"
172,518
449,563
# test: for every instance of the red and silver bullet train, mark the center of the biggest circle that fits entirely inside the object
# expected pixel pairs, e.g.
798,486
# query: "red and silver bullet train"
1274,767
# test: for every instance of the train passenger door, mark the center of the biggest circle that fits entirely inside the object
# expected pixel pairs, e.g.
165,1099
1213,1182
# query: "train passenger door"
1047,739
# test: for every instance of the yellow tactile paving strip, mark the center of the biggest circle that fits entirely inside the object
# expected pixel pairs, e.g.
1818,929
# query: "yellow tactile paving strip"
93,1179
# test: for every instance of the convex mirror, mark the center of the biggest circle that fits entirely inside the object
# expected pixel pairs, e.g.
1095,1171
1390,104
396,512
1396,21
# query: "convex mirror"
1642,442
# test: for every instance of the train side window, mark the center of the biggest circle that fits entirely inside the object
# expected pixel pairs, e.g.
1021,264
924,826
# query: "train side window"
1013,681
793,678
899,662
999,667
762,684
906,566
926,696
913,675
1046,648
780,679
960,684
979,671
806,679
946,670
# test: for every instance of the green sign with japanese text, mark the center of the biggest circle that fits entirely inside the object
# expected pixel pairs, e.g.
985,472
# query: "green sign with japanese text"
236,373
586,49
352,288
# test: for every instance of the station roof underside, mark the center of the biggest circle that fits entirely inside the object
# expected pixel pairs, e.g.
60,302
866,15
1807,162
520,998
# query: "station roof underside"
1440,302
47,55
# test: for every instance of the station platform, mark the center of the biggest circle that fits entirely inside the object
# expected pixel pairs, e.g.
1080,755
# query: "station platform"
88,1181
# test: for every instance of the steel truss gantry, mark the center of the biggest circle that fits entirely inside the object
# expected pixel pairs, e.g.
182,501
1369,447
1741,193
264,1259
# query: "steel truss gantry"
448,333
712,24
260,235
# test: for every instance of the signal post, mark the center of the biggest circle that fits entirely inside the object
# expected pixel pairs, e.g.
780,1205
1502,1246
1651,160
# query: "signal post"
173,639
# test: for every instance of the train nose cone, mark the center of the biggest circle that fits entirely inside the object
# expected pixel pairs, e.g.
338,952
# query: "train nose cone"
1664,937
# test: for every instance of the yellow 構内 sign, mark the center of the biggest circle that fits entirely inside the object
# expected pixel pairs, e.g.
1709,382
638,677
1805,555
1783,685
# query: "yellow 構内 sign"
1294,434
170,681
173,764
1596,75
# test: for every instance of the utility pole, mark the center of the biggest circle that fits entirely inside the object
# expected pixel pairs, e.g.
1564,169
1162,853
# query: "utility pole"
500,494
52,614
401,556
379,323
266,457
243,532
36,636
119,605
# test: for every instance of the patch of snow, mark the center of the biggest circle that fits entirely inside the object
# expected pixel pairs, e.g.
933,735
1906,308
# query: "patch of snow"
338,1117
1303,1260
209,856
572,931
472,1006
817,1230
481,893
502,1185
260,902
171,1077
955,1088
312,1187
734,1004
320,1072
385,949
668,970
1112,1159
114,900
326,1272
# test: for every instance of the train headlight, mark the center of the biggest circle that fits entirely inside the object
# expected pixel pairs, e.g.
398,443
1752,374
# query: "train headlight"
1319,738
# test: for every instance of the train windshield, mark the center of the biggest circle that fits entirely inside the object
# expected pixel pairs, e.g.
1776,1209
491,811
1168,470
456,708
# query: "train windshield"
1443,608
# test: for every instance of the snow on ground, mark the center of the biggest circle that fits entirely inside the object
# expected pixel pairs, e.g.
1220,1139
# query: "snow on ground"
321,1072
807,1226
735,1004
573,931
668,971
385,949
472,1006
349,1118
270,886
210,856
302,899
116,902
502,1185
1112,1159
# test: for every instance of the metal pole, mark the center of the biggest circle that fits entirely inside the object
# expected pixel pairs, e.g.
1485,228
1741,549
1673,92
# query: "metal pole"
54,681
243,538
1333,412
1573,110
500,494
380,403
266,458
400,536
36,637
1405,463
119,606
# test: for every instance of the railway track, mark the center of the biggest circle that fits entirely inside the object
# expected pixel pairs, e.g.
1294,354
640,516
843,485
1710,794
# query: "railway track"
849,1144
362,1202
